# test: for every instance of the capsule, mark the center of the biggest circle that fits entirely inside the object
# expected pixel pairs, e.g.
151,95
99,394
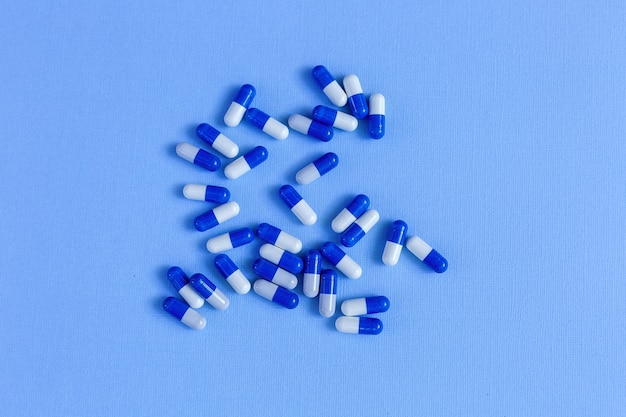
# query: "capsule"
217,140
333,254
317,168
312,269
395,241
209,291
239,105
279,238
365,305
267,124
209,193
359,325
425,253
328,293
275,274
230,240
184,313
273,292
179,280
348,215
309,127
245,163
281,257
330,86
359,228
232,274
376,118
356,99
298,205
198,156
335,118
216,216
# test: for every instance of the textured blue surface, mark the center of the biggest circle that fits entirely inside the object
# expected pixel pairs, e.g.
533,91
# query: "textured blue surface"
504,149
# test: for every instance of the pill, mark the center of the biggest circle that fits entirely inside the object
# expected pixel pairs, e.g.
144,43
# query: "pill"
267,124
209,193
282,258
330,86
239,105
298,206
395,241
279,238
348,215
232,274
335,118
245,163
216,216
275,274
209,291
179,280
376,118
317,168
328,293
357,230
184,313
230,240
358,325
311,277
273,292
425,253
309,127
217,140
198,156
365,305
333,254
356,99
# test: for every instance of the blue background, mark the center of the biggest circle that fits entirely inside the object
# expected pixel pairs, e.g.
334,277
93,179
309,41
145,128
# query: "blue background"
504,150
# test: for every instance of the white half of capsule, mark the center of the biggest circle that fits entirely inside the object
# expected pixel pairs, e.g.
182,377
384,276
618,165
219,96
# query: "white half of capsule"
285,279
265,289
194,192
190,295
236,168
352,85
349,267
377,104
354,307
238,281
300,123
271,253
288,242
276,129
327,305
193,319
219,243
347,324
345,121
308,174
225,146
368,220
187,151
304,213
335,94
418,247
234,114
311,285
226,211
391,253
342,221
218,300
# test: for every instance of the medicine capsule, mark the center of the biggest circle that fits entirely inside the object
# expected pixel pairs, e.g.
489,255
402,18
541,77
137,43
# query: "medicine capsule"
359,228
245,163
348,215
277,294
217,140
376,118
230,240
366,305
341,260
281,257
317,168
216,216
209,193
275,274
279,238
184,313
335,118
309,127
232,274
239,105
425,253
209,291
179,280
312,269
359,325
198,156
328,293
330,86
267,124
297,205
395,241
356,99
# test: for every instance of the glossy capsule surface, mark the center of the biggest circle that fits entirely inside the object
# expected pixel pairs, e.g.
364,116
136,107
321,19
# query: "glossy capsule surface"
425,253
286,260
329,86
309,127
357,230
396,236
359,325
275,274
376,118
276,294
230,240
183,313
198,156
348,215
336,256
207,289
278,237
216,216
217,140
211,193
298,206
328,293
335,118
365,305
311,276
239,105
356,99
317,168
245,163
177,277
267,124
232,274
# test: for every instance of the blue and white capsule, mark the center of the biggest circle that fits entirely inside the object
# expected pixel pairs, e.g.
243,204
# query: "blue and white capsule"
298,206
230,240
365,305
281,257
245,163
348,215
356,98
267,124
395,242
198,156
232,274
359,228
312,271
344,263
239,105
317,168
275,274
328,293
218,215
273,292
211,193
180,282
425,253
217,140
335,118
209,291
280,238
359,325
184,313
330,86
376,118
309,127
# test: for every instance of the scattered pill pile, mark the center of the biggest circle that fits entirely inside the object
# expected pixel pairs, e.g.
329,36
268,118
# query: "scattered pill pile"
279,265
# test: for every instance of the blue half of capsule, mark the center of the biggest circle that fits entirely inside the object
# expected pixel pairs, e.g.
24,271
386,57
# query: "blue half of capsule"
332,253
245,95
176,276
312,262
225,265
257,117
436,261
289,195
376,125
256,156
241,236
378,304
326,162
322,76
207,133
358,205
290,262
324,114
320,131
397,232
175,307
202,285
265,269
216,194
205,221
328,282
286,298
207,160
268,233
370,325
